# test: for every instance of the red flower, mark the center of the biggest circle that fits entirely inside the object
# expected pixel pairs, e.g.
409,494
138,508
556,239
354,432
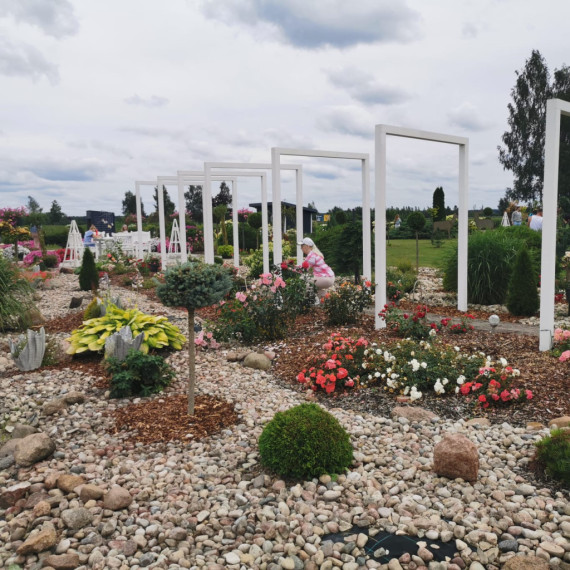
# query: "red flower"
305,265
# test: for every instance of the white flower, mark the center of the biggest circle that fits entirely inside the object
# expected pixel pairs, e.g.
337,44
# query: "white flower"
406,390
415,364
432,332
394,376
364,365
457,389
503,362
445,381
415,394
370,377
377,374
412,353
378,351
424,365
456,348
461,379
438,387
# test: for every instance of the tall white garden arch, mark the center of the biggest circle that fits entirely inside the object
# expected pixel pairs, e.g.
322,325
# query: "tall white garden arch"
138,184
208,166
276,154
555,108
382,131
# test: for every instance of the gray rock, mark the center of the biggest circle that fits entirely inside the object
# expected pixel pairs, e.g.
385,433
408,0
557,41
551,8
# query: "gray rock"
33,448
257,361
508,546
75,519
23,430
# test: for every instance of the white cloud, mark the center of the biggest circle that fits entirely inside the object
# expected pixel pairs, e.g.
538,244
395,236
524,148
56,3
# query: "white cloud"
348,120
365,88
54,17
152,101
23,60
312,25
468,117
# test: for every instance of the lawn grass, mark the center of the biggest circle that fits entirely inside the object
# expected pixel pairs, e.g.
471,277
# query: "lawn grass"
398,250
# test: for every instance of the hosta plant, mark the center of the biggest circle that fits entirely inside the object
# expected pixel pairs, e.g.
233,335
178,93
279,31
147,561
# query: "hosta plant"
158,331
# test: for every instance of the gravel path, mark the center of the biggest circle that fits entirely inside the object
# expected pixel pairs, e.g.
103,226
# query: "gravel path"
208,504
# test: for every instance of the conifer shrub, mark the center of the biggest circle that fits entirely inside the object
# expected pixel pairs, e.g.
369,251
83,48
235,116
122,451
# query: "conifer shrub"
552,455
305,442
138,374
522,295
88,275
93,310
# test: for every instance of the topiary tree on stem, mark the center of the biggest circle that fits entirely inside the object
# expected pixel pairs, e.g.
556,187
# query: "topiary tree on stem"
416,222
192,286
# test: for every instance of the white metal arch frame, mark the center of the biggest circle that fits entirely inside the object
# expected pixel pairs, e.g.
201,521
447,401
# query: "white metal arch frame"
208,166
555,108
185,176
233,176
138,184
381,133
276,154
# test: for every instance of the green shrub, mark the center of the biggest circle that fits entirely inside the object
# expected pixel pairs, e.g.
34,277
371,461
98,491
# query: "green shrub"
218,260
88,275
552,455
305,442
345,304
138,374
56,235
159,332
248,237
522,297
50,261
93,310
226,251
16,298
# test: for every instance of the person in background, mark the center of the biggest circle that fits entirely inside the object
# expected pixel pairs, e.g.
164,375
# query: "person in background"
536,222
314,260
125,228
397,222
516,217
90,234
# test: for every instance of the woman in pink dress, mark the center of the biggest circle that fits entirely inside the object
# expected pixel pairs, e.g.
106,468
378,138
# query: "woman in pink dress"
314,260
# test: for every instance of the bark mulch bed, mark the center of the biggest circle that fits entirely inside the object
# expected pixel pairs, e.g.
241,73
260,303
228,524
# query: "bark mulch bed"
167,419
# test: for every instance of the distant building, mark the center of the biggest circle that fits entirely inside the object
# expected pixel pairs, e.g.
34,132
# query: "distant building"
308,214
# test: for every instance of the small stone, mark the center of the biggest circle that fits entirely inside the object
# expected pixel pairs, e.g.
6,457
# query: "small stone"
456,456
561,422
117,498
232,558
75,519
90,492
53,407
11,495
508,546
67,561
39,541
33,448
68,482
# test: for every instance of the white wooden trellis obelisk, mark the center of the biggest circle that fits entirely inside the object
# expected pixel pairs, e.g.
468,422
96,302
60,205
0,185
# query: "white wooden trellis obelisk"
174,248
505,221
73,256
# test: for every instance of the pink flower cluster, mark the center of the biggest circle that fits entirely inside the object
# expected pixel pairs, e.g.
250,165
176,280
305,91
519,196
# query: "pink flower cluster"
563,337
206,340
274,282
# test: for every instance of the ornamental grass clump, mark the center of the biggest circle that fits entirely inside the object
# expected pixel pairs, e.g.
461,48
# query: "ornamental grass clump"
305,442
345,304
552,455
16,298
337,367
192,286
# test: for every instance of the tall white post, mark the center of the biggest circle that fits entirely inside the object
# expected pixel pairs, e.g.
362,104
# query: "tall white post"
182,221
366,238
208,222
139,220
276,201
463,227
299,215
549,206
161,224
264,224
235,223
380,226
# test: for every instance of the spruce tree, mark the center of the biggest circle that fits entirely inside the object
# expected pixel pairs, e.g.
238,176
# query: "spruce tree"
522,294
88,276
439,203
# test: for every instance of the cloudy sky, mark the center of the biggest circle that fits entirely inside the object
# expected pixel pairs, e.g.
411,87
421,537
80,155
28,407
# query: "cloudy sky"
96,95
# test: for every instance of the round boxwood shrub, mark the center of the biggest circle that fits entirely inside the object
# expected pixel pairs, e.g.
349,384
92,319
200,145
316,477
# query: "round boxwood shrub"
552,455
305,442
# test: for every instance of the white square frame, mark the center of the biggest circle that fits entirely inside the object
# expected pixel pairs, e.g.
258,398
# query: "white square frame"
381,133
208,171
555,108
276,154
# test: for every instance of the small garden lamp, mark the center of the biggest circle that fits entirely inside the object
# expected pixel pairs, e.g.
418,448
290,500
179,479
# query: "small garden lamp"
494,320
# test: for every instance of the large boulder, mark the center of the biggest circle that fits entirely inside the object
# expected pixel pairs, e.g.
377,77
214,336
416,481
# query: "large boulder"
39,541
413,413
526,562
257,361
33,448
117,498
456,456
